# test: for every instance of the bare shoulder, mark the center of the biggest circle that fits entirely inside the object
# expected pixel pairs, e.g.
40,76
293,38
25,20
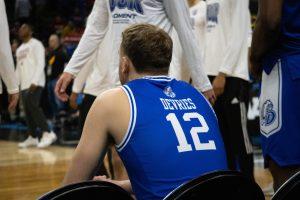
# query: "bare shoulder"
112,101
113,108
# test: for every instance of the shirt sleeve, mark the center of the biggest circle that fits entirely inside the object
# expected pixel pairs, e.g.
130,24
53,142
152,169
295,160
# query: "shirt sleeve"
179,16
39,52
6,59
238,30
81,78
92,37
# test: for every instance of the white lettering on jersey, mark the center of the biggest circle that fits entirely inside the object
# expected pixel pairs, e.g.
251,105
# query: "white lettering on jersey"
178,104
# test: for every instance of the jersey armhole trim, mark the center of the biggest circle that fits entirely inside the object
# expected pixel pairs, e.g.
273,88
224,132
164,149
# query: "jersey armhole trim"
132,120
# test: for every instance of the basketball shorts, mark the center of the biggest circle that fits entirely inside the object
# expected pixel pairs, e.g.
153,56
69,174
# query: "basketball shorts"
280,112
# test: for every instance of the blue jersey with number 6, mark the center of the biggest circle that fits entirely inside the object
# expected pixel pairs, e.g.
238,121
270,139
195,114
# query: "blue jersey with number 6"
173,136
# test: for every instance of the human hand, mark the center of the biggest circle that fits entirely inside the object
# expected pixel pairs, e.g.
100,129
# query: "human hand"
13,101
219,84
210,96
32,88
61,86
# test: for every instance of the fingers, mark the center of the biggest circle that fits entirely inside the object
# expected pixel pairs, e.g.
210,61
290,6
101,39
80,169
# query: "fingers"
212,100
100,178
13,102
61,86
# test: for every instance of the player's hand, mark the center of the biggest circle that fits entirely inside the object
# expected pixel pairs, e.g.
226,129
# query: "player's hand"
219,84
210,96
13,101
61,86
104,178
73,101
32,88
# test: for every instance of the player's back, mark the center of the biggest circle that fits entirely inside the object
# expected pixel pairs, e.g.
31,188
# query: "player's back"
172,138
290,26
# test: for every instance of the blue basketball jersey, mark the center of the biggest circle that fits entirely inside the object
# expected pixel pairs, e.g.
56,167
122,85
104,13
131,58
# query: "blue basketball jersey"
290,26
173,136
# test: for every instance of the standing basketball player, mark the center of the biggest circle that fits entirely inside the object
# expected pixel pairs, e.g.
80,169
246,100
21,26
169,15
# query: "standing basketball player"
105,25
165,136
6,61
226,28
275,55
179,68
226,63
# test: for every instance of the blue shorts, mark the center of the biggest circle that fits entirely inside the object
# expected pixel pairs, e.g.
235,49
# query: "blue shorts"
280,112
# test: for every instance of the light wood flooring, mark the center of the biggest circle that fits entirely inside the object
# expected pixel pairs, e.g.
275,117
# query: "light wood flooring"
29,173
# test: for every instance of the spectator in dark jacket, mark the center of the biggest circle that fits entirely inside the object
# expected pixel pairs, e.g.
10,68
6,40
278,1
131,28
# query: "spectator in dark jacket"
56,60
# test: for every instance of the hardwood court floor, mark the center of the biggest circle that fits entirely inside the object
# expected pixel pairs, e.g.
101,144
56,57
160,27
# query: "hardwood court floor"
29,173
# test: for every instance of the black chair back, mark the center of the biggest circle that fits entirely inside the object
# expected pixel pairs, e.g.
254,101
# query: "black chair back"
88,190
227,185
290,190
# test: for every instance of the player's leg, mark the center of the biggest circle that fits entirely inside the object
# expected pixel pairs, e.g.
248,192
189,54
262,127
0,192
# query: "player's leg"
48,137
87,103
32,139
224,129
236,116
281,174
36,111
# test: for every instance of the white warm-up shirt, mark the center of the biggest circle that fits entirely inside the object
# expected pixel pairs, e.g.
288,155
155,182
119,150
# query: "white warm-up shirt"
6,58
227,36
110,18
31,64
179,68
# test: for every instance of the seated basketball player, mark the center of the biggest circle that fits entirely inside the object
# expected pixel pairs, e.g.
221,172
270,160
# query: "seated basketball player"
164,130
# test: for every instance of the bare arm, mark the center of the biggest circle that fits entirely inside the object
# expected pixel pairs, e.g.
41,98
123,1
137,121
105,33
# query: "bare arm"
266,32
109,109
92,146
6,59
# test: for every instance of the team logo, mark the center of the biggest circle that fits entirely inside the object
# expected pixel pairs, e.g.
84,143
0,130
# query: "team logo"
268,115
213,12
133,5
169,92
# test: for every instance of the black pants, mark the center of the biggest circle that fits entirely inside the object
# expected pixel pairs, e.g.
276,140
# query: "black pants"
231,109
87,103
35,117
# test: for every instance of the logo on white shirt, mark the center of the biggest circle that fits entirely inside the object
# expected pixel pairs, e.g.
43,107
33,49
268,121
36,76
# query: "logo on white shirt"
133,5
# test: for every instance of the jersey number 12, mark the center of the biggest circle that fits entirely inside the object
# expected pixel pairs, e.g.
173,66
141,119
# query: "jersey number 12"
183,144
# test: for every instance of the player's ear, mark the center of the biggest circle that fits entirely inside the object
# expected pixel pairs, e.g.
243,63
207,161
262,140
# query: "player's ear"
125,65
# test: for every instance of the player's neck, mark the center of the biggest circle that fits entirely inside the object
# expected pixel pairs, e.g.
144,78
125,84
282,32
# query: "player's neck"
134,76
193,2
25,40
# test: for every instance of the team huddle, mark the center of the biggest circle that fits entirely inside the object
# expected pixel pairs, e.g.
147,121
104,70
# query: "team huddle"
166,131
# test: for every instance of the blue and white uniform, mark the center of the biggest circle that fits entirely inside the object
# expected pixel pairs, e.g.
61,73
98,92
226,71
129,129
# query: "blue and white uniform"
280,99
173,136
